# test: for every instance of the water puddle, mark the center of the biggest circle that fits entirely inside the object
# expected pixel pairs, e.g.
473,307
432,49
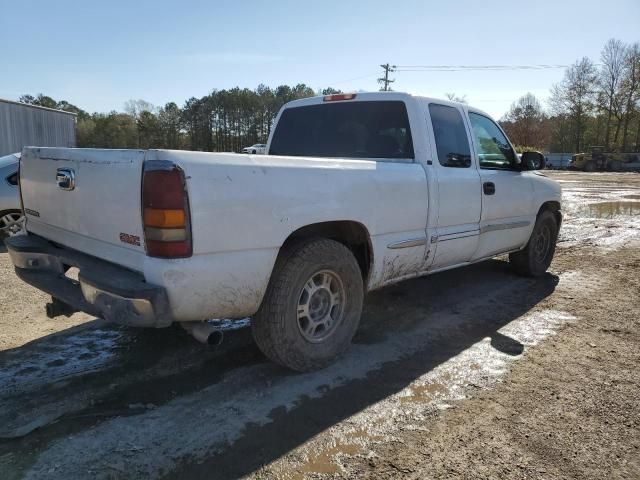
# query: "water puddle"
325,462
612,209
425,393
326,459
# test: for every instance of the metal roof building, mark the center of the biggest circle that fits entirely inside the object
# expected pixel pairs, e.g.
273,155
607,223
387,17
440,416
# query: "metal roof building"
24,125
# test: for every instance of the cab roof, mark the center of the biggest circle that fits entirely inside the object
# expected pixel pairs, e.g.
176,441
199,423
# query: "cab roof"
382,96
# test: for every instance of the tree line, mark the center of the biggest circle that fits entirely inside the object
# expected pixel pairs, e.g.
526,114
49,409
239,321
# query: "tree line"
224,120
593,105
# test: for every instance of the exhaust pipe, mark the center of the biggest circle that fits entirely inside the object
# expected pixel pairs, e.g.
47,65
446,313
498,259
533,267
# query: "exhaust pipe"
204,332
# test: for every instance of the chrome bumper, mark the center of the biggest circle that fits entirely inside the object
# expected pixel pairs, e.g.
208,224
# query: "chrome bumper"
103,289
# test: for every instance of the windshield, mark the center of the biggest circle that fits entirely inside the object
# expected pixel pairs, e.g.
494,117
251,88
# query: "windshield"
378,129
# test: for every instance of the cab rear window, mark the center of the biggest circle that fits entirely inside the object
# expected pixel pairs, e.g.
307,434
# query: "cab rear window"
346,130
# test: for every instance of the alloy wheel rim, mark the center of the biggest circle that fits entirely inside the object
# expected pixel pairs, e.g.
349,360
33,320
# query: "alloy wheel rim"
11,223
542,243
320,306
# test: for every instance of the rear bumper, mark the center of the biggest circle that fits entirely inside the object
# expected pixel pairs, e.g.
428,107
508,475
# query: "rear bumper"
103,289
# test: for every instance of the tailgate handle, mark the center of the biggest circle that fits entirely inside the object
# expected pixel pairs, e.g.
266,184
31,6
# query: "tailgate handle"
66,178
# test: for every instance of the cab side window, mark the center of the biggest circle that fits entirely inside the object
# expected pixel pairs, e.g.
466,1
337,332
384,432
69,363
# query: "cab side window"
452,142
494,151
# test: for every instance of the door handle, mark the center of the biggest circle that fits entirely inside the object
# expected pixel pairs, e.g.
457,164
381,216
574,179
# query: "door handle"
489,188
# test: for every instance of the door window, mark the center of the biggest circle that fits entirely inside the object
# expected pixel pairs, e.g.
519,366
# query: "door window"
493,147
451,136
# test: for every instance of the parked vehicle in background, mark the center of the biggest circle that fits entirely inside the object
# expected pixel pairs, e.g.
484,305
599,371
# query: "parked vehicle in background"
358,191
599,161
557,161
10,211
260,148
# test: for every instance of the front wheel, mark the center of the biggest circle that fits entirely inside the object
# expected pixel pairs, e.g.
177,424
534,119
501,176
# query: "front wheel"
312,306
10,223
536,257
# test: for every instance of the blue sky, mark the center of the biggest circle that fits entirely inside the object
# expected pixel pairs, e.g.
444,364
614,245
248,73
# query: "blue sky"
98,55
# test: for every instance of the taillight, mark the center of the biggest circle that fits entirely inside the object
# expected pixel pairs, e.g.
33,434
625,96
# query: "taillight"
165,211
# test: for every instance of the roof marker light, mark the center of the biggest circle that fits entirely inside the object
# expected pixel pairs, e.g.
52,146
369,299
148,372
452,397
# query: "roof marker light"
339,96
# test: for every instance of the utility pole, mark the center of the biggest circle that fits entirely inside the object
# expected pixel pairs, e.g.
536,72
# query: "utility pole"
386,80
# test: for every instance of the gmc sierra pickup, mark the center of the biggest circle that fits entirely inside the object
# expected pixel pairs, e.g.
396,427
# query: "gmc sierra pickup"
357,191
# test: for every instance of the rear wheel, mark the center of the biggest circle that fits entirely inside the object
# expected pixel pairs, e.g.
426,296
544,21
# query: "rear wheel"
312,306
536,257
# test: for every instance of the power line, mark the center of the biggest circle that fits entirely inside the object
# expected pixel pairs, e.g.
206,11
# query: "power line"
386,80
454,68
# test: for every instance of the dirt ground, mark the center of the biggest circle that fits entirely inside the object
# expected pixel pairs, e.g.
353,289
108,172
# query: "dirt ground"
471,373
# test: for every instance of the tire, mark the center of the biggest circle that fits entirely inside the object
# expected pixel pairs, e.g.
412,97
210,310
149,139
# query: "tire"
10,223
314,281
590,166
253,151
536,257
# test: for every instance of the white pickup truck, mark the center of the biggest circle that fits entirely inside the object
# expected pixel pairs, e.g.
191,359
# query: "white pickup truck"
357,191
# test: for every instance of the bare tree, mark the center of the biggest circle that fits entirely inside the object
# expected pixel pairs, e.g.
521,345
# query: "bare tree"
609,78
525,122
631,90
136,107
575,97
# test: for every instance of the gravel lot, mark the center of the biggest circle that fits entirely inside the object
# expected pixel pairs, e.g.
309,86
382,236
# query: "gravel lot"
471,373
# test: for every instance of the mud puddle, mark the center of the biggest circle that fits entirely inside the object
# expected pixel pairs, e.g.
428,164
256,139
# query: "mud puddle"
325,461
610,210
604,214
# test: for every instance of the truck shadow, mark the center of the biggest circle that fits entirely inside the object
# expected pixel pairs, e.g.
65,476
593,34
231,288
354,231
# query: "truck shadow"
128,370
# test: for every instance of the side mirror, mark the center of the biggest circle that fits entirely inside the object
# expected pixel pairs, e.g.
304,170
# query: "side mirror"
532,161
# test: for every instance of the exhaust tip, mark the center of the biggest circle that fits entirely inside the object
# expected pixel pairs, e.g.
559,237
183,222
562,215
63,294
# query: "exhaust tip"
204,333
215,338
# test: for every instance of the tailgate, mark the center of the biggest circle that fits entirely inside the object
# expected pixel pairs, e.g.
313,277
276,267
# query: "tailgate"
86,199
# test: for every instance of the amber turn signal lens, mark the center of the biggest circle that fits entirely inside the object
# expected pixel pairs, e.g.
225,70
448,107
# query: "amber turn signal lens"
163,218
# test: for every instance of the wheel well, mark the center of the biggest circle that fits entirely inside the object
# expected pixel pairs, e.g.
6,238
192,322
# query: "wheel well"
553,207
353,235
